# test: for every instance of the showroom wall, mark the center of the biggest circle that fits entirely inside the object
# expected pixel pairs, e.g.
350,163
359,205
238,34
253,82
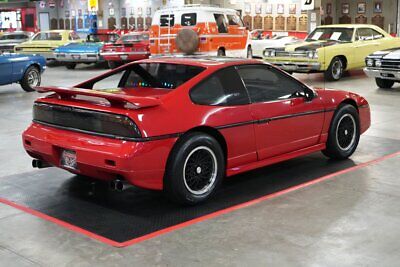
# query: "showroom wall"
389,11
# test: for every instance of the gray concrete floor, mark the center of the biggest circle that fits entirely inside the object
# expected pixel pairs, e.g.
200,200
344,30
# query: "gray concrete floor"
350,220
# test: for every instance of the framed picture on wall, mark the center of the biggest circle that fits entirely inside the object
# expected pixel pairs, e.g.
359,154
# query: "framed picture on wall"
79,12
280,9
329,8
345,8
247,7
67,13
361,8
292,9
123,12
132,11
258,8
73,14
111,11
268,9
148,11
378,7
139,11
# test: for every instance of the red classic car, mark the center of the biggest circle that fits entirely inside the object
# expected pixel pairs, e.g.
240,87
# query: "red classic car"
130,47
182,124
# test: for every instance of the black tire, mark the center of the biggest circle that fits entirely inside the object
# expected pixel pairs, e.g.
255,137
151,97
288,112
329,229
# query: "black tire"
221,52
344,133
71,66
31,79
249,53
335,70
184,182
113,64
382,83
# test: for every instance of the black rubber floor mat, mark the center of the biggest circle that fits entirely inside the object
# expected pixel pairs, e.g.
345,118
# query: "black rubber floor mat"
135,213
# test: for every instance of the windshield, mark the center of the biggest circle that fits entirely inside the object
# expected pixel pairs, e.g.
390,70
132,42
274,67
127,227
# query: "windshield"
47,36
106,38
331,34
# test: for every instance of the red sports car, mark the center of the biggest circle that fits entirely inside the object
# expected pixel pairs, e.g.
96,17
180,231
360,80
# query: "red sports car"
130,47
182,124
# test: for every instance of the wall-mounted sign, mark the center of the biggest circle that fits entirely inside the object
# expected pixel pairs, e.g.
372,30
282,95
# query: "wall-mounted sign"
307,4
52,3
93,5
42,4
112,13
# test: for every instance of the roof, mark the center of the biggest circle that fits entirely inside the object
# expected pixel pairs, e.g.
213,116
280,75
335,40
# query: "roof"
203,61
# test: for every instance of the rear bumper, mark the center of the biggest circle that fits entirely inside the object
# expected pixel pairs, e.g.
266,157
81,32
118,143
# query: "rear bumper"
78,58
386,74
140,163
125,56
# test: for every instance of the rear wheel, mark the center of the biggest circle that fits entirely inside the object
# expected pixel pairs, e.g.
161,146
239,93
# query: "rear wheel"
31,79
344,133
335,70
71,66
113,64
221,52
195,169
382,83
249,52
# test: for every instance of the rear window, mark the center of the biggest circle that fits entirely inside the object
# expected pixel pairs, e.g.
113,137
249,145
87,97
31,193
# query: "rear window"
47,36
189,19
107,38
159,75
167,20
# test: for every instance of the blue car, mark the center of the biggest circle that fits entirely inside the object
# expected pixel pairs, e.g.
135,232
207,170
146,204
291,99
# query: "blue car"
23,69
86,52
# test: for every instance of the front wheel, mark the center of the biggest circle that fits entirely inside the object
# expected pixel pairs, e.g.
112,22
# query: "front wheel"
195,169
249,52
31,79
335,70
71,66
382,83
344,133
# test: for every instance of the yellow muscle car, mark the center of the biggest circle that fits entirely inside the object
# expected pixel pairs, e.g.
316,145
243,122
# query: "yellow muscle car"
332,49
44,43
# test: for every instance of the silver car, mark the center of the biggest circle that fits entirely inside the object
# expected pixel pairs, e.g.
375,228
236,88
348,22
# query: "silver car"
10,39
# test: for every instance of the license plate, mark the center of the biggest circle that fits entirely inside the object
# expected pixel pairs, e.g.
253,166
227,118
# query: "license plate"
76,56
290,67
124,57
68,159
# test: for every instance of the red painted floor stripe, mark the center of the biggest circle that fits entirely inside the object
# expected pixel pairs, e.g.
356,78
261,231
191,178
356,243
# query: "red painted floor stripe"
193,221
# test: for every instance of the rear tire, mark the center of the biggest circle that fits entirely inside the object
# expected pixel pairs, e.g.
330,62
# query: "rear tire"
385,84
195,169
70,66
31,79
249,52
335,70
221,52
113,64
344,133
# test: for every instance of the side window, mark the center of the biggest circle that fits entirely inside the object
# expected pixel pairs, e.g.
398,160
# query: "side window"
167,20
235,20
223,88
364,34
377,35
267,84
221,23
189,19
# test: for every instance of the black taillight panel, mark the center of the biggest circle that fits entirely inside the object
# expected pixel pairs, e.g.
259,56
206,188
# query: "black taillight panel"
85,120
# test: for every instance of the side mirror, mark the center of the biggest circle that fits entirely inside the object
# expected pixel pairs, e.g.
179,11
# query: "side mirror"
309,95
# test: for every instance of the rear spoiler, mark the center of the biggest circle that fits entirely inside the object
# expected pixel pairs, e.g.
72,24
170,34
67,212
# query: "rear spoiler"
118,100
